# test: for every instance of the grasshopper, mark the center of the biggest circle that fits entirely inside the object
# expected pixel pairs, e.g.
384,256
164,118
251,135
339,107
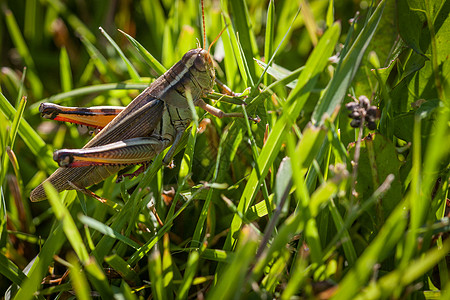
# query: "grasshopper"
153,121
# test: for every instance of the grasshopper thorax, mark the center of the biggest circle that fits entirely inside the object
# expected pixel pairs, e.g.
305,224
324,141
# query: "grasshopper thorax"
194,72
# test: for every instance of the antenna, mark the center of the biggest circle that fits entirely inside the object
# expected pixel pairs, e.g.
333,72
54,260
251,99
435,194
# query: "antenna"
215,40
204,30
204,27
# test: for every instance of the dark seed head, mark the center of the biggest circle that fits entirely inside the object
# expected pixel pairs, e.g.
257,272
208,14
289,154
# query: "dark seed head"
355,123
371,125
355,115
373,112
351,105
364,102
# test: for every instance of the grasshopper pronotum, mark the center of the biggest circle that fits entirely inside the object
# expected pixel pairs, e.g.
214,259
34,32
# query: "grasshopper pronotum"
153,121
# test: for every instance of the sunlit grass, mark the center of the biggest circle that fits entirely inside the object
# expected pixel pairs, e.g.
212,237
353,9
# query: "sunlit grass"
294,206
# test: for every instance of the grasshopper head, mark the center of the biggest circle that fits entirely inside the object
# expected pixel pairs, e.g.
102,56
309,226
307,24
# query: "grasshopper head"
201,66
194,72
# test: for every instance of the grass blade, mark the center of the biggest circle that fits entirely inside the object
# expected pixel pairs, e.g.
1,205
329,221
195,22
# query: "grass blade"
65,71
314,66
94,224
62,97
24,52
148,57
80,283
68,224
131,70
40,264
347,68
29,136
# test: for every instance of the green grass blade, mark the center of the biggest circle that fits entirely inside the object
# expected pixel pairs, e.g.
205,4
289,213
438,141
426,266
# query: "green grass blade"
246,35
11,82
148,57
205,209
16,121
41,263
17,37
60,98
99,60
270,61
168,57
233,280
279,73
284,81
131,70
154,16
296,281
11,271
29,136
230,35
403,277
268,46
314,66
68,224
231,67
189,273
294,223
347,68
128,294
123,268
30,26
149,245
384,241
188,157
10,147
79,280
94,224
65,71
330,13
156,274
349,250
167,268
76,24
24,52
98,279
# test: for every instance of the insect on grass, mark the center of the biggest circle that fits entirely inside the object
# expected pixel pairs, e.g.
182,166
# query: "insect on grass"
155,120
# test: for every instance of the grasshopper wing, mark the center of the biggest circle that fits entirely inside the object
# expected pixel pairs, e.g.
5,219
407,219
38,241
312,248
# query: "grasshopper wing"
138,119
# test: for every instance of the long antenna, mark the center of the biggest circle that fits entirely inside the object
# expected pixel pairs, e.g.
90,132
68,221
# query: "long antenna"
204,27
215,40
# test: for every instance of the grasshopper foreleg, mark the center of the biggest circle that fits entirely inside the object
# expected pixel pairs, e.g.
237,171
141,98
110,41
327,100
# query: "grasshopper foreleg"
221,114
227,91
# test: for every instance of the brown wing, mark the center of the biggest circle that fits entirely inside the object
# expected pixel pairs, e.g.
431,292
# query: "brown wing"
138,119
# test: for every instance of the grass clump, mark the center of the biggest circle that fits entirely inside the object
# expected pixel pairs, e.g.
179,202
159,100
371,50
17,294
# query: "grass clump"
300,205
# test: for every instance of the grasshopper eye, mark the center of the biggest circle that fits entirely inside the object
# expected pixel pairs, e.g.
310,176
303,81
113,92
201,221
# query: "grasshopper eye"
200,63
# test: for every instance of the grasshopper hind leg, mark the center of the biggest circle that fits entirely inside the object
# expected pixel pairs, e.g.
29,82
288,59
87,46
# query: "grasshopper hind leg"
96,117
128,152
